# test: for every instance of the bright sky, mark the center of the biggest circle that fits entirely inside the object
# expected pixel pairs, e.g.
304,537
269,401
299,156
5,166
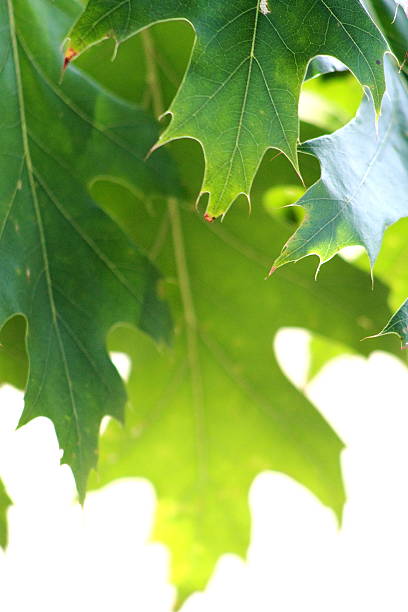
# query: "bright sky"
63,559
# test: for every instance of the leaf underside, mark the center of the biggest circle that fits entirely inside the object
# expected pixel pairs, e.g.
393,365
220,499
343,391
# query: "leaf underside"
398,325
364,184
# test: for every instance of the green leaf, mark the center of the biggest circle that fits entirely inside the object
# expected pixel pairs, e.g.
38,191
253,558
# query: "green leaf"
398,324
391,266
394,23
13,356
121,77
66,267
240,94
323,65
5,503
322,351
330,102
220,410
364,183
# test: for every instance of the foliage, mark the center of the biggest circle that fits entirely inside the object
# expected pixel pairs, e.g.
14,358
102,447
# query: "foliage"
5,503
346,206
69,303
398,324
251,62
98,241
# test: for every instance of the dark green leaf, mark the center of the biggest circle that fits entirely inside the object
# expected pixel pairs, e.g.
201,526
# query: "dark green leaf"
394,23
66,266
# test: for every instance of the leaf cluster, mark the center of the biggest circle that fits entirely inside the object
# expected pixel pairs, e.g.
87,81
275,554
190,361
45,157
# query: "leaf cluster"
105,245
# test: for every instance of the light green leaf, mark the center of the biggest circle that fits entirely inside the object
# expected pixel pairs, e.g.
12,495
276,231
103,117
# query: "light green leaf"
322,351
364,183
5,503
220,410
330,102
66,266
398,324
240,94
13,354
391,266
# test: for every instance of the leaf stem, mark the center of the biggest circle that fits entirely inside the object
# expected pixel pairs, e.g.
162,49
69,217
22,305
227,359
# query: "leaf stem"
191,333
153,81
152,76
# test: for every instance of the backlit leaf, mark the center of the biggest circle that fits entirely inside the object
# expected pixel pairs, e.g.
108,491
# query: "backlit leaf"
208,415
5,503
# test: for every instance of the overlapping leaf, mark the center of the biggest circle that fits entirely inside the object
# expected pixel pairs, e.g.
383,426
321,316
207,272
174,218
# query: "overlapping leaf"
364,183
13,354
392,265
240,93
394,22
65,265
207,416
220,410
398,324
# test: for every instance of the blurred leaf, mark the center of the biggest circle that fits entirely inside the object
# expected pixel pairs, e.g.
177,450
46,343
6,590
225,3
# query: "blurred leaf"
220,410
13,354
322,351
330,101
5,503
115,68
394,23
398,324
282,195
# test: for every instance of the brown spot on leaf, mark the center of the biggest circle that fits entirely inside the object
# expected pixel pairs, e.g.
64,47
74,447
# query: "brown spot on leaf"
69,56
209,218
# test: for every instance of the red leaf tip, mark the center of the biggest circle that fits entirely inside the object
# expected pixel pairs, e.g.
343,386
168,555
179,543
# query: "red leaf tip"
209,218
272,270
69,56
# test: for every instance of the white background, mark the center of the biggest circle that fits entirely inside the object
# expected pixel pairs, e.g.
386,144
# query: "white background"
61,558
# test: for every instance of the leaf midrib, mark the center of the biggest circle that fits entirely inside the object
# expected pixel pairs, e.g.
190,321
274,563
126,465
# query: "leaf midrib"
191,336
251,60
38,217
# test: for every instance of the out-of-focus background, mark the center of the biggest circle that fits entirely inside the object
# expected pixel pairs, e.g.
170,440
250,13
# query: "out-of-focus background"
62,558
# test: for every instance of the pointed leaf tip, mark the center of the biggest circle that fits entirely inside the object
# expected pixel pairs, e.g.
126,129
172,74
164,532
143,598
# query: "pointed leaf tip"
233,153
